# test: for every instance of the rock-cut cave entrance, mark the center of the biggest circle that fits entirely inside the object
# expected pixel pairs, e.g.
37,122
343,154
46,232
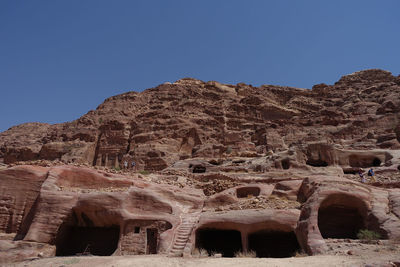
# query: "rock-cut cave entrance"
151,247
285,164
199,169
273,244
74,240
341,216
364,161
317,163
244,192
226,242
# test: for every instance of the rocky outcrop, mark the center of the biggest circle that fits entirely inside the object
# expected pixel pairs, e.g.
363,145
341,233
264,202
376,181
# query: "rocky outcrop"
71,205
339,208
192,118
20,188
196,165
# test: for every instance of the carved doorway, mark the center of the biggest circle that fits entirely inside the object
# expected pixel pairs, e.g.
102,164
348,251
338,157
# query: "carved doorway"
152,235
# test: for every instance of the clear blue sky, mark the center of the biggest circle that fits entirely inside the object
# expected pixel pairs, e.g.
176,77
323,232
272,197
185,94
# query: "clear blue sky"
59,59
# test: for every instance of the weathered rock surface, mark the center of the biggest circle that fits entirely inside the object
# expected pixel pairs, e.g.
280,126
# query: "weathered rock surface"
192,118
213,161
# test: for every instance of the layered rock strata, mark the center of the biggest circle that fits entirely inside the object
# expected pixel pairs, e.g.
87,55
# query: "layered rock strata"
218,168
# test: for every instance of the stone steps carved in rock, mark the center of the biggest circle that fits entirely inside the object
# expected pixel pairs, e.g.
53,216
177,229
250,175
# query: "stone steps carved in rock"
183,232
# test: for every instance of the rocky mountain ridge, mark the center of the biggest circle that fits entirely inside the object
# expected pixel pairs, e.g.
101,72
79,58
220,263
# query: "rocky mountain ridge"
191,118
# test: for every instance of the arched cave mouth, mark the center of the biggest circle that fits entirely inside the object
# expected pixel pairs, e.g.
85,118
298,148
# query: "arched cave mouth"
341,217
317,163
376,162
76,240
359,161
226,242
273,244
244,192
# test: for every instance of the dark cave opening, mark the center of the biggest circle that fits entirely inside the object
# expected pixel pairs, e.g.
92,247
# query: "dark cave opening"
199,169
285,164
362,161
244,192
226,242
273,244
376,162
350,171
338,221
215,162
100,241
317,163
151,247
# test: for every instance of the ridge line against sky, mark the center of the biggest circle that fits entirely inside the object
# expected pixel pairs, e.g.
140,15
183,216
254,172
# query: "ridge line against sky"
60,59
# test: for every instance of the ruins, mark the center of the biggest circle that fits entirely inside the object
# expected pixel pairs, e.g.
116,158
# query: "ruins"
217,168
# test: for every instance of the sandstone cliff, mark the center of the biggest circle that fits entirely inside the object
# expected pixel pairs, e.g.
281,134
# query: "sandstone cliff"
221,168
191,118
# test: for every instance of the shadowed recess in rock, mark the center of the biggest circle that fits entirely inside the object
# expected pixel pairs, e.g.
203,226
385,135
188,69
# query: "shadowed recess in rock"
364,161
151,234
341,216
226,242
100,241
285,164
273,244
199,169
317,163
244,192
350,170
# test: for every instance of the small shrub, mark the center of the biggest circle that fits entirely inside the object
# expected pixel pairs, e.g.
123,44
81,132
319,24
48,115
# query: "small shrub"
100,120
368,235
228,150
248,254
300,253
144,172
203,252
200,252
117,168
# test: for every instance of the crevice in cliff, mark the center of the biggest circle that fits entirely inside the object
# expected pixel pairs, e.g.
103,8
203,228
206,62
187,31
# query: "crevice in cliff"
27,221
96,151
9,227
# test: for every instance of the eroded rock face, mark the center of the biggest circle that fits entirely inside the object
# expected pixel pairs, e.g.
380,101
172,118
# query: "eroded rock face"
192,118
241,163
74,205
20,189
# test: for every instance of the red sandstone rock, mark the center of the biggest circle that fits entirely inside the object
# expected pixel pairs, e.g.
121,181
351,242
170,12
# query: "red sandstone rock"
184,119
206,147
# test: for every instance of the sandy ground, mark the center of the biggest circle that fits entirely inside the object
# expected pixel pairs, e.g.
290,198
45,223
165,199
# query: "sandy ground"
341,252
157,260
149,261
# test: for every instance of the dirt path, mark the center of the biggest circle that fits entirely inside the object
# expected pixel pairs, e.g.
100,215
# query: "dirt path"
150,261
